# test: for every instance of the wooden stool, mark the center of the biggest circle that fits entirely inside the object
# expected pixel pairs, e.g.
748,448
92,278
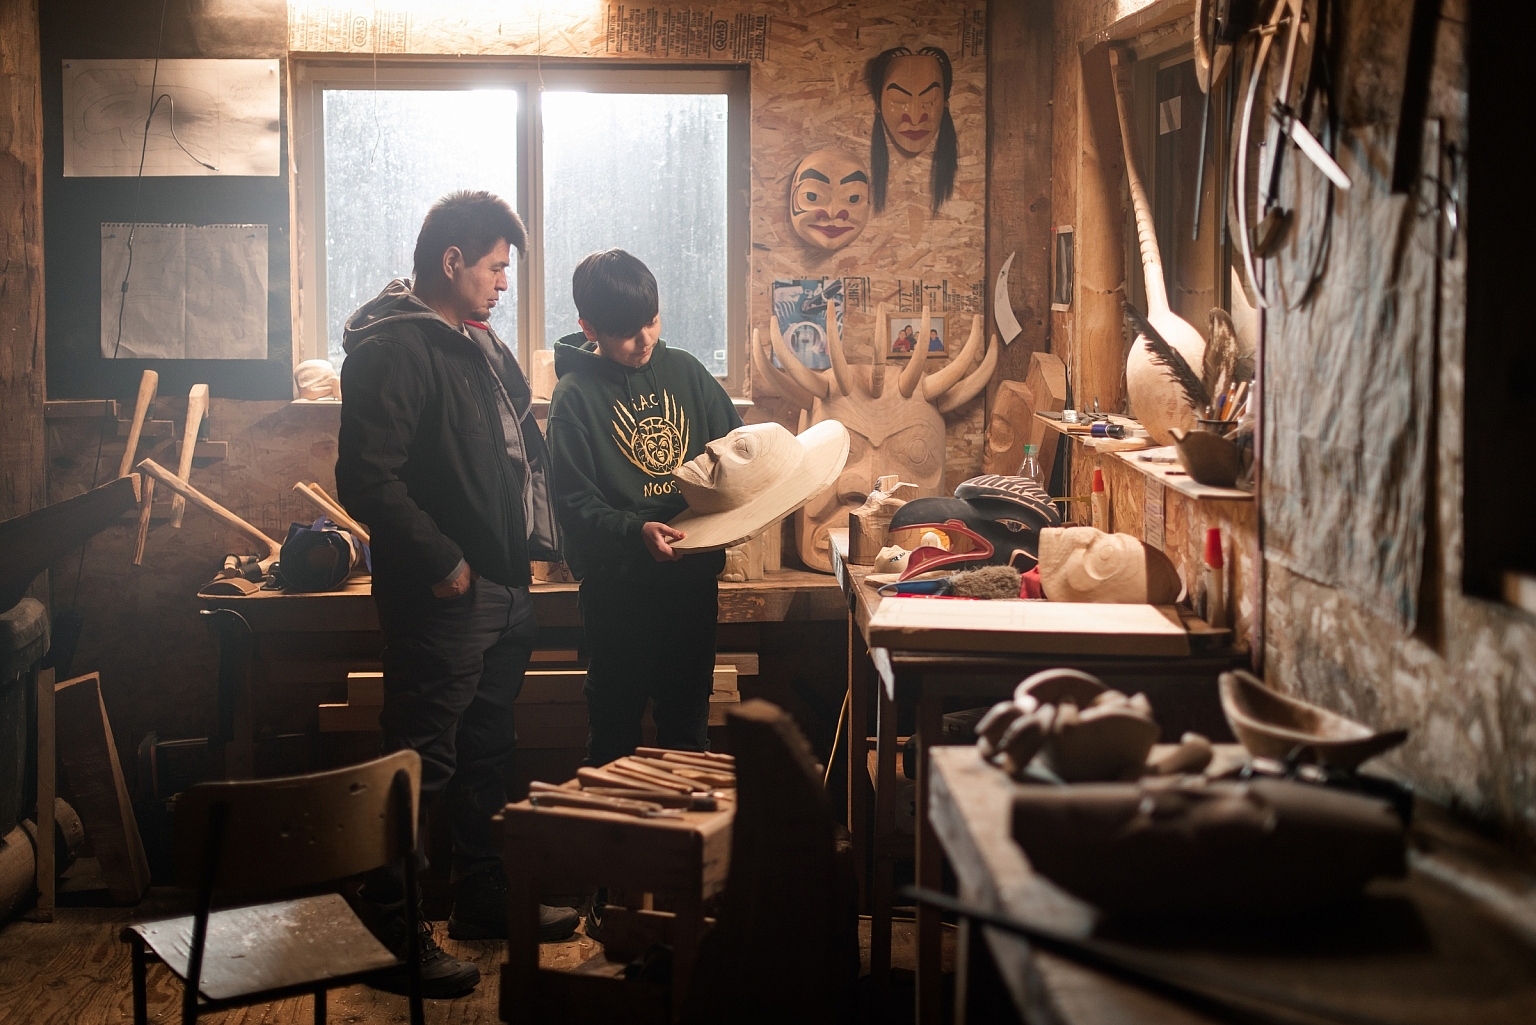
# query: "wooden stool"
573,850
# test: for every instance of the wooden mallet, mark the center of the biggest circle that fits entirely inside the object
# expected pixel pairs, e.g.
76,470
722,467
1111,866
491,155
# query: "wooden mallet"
148,384
197,408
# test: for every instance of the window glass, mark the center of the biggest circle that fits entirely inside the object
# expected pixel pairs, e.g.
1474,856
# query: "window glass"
389,155
645,173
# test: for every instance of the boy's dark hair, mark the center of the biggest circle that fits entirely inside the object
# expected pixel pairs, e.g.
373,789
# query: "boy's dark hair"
471,221
615,293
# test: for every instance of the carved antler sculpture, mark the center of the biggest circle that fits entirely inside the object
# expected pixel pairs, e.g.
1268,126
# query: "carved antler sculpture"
896,430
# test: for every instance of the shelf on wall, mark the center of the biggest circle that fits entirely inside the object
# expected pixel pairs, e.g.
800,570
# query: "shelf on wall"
1170,475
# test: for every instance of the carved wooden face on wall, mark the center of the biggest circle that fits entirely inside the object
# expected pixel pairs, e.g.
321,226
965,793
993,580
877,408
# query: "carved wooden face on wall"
829,198
912,101
895,427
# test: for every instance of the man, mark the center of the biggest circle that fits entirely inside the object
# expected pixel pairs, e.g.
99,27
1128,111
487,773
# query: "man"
440,456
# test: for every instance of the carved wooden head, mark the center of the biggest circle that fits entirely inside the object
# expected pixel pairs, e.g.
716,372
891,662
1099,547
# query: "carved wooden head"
894,430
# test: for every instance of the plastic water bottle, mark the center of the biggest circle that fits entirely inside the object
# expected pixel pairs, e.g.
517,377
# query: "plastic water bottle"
1031,466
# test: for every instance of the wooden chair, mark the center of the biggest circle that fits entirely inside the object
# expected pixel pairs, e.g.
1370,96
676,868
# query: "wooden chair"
273,835
786,946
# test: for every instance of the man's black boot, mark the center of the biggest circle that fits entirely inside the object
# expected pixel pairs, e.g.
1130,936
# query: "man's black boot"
442,975
480,911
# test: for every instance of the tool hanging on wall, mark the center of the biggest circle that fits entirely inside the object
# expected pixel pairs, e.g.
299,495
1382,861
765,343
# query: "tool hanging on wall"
318,497
214,509
148,384
1219,24
197,408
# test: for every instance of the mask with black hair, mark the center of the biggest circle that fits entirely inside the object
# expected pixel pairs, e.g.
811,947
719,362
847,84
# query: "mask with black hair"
911,94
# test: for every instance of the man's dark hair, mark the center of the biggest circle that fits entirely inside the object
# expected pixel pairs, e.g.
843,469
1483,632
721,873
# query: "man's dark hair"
471,221
615,293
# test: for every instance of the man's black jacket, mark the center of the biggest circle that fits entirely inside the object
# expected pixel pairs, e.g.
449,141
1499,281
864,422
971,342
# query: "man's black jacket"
422,457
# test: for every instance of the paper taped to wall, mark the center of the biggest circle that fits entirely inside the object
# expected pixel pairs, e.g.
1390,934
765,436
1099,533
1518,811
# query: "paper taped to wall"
211,117
193,292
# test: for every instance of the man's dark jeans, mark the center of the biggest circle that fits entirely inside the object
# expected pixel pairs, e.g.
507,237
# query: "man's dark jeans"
653,642
452,669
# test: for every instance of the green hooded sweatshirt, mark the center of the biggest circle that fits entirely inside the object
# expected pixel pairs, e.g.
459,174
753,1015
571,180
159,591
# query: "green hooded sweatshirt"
616,433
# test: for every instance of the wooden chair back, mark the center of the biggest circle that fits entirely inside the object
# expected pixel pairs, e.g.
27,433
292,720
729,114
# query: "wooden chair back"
789,910
296,831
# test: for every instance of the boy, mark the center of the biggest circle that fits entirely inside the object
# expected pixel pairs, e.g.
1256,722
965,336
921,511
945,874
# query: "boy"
626,412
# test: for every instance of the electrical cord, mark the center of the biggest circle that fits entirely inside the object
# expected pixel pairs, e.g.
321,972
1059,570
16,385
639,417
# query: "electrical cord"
122,299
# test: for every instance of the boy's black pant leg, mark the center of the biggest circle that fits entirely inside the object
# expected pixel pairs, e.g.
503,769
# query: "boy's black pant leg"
452,670
652,641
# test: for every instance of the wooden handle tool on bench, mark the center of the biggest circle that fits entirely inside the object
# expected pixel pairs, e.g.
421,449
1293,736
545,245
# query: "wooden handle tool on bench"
326,504
214,509
146,502
197,408
148,384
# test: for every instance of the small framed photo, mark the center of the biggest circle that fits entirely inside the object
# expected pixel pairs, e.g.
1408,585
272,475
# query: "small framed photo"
905,332
1061,280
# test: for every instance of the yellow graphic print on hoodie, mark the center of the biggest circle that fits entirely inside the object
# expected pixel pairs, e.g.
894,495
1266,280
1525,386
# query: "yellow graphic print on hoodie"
657,441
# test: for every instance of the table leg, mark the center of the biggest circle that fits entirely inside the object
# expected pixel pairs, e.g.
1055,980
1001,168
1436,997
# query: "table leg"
520,973
237,649
930,725
859,673
687,927
882,893
47,761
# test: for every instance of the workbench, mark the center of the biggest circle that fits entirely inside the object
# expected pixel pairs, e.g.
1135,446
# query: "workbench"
1182,690
280,652
1416,950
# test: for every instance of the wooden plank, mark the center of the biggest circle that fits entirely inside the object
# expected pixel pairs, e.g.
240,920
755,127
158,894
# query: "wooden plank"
47,788
150,429
90,759
746,662
23,377
1172,475
725,681
533,721
349,718
554,655
553,738
1025,627
365,688
31,542
1020,65
79,409
543,686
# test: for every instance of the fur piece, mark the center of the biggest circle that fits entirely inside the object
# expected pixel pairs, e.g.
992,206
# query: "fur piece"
988,582
1165,355
1221,351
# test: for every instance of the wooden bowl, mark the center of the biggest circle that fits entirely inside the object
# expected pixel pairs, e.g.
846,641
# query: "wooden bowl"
1271,725
1208,457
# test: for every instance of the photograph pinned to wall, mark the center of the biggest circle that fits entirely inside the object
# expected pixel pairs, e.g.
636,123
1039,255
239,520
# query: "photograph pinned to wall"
911,93
801,310
829,198
905,332
1061,277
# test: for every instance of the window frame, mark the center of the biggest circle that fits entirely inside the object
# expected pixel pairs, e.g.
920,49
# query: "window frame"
528,78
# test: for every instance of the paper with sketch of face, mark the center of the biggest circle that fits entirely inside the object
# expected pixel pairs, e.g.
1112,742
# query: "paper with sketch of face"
829,198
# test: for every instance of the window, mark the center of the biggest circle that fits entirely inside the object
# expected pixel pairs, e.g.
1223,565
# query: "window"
650,161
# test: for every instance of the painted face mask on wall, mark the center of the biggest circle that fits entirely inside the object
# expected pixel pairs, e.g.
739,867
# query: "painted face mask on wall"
911,94
829,198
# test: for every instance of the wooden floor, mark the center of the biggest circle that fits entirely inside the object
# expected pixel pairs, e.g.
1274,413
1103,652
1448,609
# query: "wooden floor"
74,971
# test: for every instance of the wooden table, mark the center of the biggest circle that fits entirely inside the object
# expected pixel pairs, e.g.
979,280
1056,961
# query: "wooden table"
1182,690
327,633
1416,951
570,850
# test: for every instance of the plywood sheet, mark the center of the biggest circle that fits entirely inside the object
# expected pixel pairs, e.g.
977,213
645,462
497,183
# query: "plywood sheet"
1025,627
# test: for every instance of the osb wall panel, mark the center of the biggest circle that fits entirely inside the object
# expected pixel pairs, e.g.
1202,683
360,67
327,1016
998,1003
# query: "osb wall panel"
1465,683
159,664
807,62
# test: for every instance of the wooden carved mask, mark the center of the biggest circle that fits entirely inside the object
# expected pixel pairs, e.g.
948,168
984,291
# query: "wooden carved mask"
829,198
912,101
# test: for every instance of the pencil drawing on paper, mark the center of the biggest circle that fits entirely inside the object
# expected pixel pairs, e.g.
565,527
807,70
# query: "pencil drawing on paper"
211,117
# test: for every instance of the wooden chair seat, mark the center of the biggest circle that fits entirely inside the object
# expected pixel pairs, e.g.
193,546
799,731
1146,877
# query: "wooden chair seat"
288,945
